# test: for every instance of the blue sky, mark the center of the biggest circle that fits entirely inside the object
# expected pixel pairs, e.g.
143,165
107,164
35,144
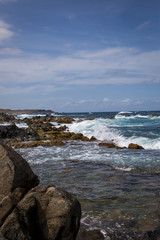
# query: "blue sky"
80,55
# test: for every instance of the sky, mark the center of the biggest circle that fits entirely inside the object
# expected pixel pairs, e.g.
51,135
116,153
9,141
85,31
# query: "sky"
80,55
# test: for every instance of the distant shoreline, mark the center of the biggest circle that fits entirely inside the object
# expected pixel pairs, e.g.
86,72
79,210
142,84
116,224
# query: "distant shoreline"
26,111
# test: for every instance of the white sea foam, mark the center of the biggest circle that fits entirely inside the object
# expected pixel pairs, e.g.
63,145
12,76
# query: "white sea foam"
21,125
22,116
103,130
5,124
124,112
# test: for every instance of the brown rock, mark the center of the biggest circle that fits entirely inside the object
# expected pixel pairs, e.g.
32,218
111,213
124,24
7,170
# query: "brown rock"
88,234
76,136
89,118
9,202
6,118
63,120
134,146
15,172
110,145
44,213
111,118
93,138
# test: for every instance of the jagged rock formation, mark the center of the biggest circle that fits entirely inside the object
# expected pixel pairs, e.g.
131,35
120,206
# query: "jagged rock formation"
31,212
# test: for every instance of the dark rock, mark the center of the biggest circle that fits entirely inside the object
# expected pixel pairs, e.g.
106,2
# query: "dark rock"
32,134
110,145
15,172
153,115
9,202
93,139
111,118
88,234
44,213
16,178
12,131
6,118
89,118
134,146
152,235
76,136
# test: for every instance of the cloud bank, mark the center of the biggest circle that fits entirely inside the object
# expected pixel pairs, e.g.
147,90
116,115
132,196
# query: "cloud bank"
5,32
105,66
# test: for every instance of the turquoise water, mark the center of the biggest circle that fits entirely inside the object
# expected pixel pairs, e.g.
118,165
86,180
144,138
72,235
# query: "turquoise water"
119,190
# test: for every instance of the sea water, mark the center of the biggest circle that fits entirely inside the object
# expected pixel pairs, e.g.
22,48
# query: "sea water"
119,189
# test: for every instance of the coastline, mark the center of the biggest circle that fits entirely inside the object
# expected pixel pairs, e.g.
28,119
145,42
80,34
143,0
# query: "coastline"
26,111
106,191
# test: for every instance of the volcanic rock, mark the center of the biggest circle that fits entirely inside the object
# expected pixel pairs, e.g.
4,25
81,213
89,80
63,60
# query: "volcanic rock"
110,145
152,235
15,172
12,131
28,212
134,146
6,118
46,212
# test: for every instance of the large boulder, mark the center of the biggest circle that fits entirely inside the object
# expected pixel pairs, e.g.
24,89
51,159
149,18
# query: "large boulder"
46,212
12,131
15,172
134,146
28,212
16,179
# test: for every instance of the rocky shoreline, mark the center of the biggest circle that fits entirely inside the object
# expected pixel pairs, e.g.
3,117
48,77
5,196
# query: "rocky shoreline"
41,131
26,111
28,211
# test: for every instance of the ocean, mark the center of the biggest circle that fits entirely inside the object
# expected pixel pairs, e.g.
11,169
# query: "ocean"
119,189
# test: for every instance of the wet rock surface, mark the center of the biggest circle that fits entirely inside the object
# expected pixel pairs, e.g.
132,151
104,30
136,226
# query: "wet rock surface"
29,212
110,145
86,234
134,146
6,117
41,131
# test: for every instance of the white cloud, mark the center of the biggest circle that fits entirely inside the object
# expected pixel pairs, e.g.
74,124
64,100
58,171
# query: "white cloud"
106,100
106,66
15,90
19,90
143,25
127,100
10,51
5,32
86,101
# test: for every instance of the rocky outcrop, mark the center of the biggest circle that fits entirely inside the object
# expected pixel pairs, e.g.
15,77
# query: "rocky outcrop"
31,212
63,120
12,131
90,234
18,134
110,145
15,172
6,118
45,213
152,235
16,179
134,146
